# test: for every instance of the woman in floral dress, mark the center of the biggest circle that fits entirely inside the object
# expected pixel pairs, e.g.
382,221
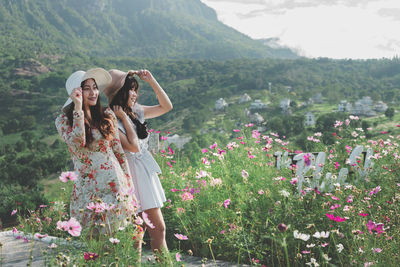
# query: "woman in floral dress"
103,192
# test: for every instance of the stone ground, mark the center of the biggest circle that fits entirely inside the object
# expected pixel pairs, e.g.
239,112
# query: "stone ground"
16,253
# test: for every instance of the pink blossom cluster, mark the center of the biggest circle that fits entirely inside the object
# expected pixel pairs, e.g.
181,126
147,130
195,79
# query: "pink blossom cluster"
73,227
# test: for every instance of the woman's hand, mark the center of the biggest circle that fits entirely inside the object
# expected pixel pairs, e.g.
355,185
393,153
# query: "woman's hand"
76,97
145,75
119,112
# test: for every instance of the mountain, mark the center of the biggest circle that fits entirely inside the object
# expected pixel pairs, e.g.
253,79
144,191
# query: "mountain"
151,28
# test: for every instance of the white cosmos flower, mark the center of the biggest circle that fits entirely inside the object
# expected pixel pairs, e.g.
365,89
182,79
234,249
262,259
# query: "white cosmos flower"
339,248
284,193
301,236
321,234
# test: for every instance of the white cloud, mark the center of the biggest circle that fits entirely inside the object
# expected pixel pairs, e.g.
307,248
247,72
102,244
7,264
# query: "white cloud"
320,28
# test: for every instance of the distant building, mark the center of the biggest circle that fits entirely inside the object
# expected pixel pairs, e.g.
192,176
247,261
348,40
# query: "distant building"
380,106
256,118
257,105
220,104
244,98
363,107
285,105
317,98
345,106
310,119
177,140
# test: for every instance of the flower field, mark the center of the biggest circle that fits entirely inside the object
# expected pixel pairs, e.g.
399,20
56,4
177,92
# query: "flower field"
235,204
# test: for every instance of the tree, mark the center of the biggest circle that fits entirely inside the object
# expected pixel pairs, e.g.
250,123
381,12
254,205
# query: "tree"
389,113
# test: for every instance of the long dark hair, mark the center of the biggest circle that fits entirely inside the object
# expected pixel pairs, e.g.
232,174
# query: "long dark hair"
121,99
100,120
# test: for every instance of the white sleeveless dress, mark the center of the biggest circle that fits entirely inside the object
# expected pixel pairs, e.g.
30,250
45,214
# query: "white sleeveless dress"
144,170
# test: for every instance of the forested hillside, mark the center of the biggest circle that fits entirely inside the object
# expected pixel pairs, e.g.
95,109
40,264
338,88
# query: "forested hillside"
152,28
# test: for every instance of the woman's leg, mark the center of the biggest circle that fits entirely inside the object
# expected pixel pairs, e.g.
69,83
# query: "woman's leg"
157,234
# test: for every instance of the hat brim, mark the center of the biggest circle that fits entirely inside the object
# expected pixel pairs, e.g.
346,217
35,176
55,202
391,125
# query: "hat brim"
100,76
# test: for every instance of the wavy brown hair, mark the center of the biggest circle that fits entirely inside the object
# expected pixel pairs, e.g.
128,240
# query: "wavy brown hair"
121,99
100,120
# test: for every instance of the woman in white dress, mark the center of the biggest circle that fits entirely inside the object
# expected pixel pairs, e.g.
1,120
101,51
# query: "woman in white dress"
122,96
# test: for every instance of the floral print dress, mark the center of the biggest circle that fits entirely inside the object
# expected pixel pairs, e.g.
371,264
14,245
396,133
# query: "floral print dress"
103,193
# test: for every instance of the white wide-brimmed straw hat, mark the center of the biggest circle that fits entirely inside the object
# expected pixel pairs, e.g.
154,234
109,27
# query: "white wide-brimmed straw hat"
100,76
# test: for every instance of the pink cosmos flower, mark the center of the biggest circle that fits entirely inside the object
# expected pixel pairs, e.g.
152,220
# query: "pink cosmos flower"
68,176
250,155
178,256
26,240
14,230
324,244
334,198
138,220
222,232
62,226
170,151
147,220
13,212
204,150
181,237
260,192
375,190
40,236
227,202
187,196
73,227
151,130
293,181
163,138
377,250
236,130
157,132
43,206
90,256
245,174
169,164
363,214
249,125
213,146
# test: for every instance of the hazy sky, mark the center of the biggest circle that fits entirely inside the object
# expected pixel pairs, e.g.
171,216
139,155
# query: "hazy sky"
319,28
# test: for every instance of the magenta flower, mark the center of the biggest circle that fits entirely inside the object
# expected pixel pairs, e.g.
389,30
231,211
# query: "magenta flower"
236,130
335,218
204,150
13,212
73,227
14,230
372,226
181,237
363,214
227,202
88,256
249,125
213,146
337,165
68,176
170,151
169,164
147,220
163,138
307,159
